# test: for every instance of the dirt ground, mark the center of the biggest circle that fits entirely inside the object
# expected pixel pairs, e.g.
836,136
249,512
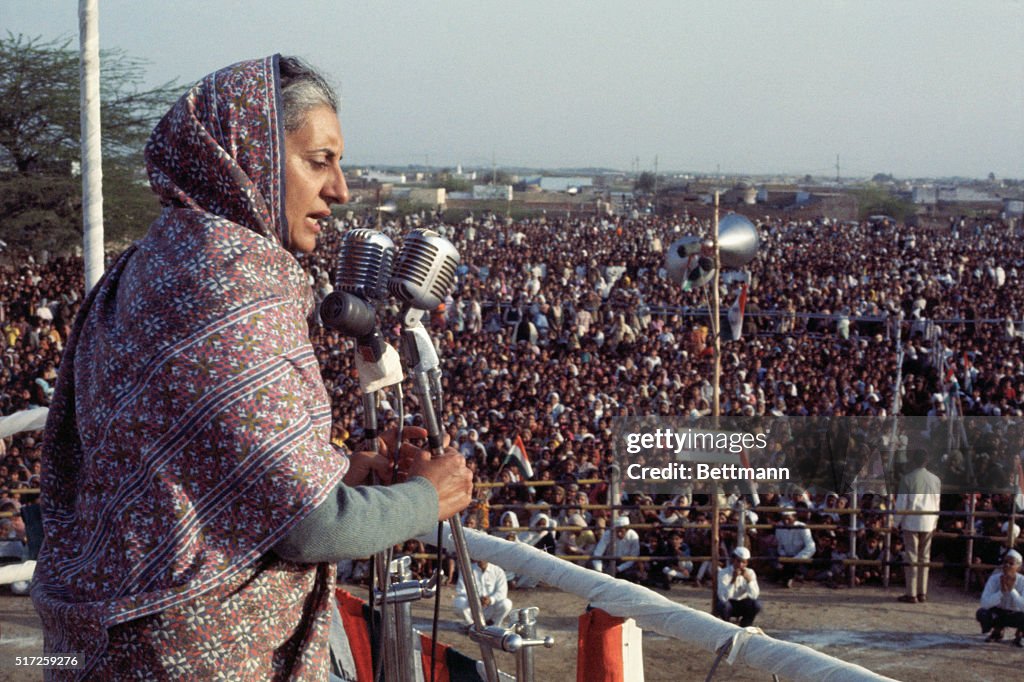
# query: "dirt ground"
865,625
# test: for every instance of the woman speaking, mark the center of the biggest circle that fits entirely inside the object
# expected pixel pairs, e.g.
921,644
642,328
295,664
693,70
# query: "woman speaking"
193,503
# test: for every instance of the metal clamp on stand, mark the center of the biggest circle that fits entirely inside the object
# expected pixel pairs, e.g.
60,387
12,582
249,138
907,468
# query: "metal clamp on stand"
400,661
402,588
519,639
526,627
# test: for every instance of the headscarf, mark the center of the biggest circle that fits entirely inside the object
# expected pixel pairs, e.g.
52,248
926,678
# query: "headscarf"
190,428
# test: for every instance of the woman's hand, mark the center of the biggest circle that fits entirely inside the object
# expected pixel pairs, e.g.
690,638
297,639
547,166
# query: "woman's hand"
363,463
449,475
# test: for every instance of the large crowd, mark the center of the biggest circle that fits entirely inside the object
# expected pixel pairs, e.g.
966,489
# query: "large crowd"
558,325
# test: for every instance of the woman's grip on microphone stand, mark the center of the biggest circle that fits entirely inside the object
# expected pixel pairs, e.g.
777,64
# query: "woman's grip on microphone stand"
449,475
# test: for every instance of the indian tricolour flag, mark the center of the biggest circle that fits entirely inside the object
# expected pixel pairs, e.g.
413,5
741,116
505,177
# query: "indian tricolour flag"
517,456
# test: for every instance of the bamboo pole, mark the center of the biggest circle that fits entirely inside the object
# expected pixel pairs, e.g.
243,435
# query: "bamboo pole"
92,151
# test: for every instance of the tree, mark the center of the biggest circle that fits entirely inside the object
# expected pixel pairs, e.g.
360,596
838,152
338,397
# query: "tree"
872,200
501,178
645,183
40,135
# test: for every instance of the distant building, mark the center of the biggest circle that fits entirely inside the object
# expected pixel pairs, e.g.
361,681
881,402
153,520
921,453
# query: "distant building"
742,193
929,195
434,197
564,184
492,192
382,177
459,175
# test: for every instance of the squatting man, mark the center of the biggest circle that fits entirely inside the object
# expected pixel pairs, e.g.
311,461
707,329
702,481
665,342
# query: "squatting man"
492,587
1002,601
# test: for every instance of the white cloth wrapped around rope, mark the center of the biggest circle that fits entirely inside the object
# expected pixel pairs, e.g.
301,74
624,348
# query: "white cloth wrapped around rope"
14,573
27,420
657,613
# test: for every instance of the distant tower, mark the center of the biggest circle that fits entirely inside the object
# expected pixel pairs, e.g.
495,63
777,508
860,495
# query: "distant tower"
749,192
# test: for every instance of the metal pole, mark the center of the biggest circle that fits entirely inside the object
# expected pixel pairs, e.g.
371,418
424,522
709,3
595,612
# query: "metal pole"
897,407
527,629
421,354
715,322
1010,539
854,507
853,547
614,496
716,408
887,544
405,650
380,560
388,635
381,568
741,526
970,543
422,384
92,148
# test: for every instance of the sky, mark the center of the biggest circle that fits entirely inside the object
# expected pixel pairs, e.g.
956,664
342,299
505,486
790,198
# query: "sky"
929,88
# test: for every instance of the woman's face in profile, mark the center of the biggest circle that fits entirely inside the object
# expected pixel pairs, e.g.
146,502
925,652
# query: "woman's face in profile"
313,178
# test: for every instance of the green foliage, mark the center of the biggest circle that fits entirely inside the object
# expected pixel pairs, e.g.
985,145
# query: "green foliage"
645,183
500,178
40,211
451,184
877,200
40,134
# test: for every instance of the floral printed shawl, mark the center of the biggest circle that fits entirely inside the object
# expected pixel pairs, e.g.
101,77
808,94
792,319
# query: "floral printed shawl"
190,428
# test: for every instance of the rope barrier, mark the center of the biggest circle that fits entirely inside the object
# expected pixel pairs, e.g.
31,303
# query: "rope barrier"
660,614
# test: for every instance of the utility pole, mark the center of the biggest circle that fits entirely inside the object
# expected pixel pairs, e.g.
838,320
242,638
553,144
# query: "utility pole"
837,169
655,184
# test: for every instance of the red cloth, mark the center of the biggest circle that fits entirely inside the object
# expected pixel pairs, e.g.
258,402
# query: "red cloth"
599,649
357,632
441,662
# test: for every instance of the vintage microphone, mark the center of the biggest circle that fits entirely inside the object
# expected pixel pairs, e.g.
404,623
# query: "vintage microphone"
424,274
365,262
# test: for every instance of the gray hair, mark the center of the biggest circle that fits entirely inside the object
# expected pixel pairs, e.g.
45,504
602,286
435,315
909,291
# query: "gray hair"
302,88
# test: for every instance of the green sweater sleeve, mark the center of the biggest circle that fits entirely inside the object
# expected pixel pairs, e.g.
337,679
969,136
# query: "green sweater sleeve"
353,523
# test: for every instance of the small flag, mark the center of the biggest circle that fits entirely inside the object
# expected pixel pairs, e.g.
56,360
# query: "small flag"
517,455
736,314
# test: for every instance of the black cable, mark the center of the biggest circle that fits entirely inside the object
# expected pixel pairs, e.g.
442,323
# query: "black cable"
378,660
437,605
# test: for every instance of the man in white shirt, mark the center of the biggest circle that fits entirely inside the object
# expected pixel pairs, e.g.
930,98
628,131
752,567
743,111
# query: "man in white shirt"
737,590
627,543
492,587
1002,602
793,539
920,491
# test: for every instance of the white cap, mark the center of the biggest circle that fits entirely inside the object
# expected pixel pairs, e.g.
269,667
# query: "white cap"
621,521
741,553
1015,555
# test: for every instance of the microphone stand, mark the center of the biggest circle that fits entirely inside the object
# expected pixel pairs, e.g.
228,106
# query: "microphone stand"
381,560
371,352
421,356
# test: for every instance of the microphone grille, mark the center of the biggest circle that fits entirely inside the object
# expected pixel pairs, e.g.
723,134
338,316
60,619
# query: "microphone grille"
365,263
425,269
